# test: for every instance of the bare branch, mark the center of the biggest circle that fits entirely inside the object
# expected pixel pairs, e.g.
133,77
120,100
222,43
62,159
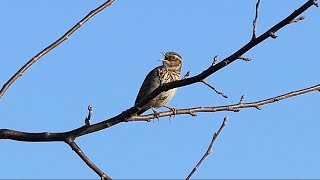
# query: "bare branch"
208,152
19,73
214,89
212,69
88,118
232,107
85,158
255,21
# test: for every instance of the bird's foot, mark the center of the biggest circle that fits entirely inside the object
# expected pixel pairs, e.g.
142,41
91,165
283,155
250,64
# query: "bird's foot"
173,110
155,113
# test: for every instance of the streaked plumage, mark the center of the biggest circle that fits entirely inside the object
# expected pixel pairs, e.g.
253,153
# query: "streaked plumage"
168,72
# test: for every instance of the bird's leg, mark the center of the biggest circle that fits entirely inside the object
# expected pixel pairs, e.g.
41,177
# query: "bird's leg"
173,110
155,113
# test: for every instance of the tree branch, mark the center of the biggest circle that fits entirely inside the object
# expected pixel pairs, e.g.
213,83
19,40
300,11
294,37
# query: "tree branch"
208,152
212,69
127,114
232,107
85,158
47,136
64,37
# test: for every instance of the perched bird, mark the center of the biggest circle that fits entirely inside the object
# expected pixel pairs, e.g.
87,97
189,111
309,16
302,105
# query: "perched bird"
168,72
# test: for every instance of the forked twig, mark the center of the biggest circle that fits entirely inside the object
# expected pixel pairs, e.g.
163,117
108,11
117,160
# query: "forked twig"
208,152
64,37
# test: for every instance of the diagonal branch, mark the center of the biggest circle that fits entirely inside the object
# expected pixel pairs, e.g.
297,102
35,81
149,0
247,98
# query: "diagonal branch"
85,158
208,152
64,37
212,69
214,89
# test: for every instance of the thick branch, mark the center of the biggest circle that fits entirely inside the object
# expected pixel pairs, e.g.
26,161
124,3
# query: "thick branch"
46,136
64,37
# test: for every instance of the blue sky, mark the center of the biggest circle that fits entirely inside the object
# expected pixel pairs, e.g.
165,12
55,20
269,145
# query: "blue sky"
105,62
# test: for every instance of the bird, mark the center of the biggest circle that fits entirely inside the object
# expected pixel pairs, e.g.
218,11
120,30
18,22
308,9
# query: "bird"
169,71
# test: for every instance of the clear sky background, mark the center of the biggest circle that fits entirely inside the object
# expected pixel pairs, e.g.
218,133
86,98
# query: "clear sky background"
105,62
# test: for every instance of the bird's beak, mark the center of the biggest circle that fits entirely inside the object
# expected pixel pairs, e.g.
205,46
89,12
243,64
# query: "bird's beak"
162,60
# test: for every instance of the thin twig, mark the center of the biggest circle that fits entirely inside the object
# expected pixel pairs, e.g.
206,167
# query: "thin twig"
208,152
186,75
215,60
64,37
88,118
241,99
85,158
255,21
213,88
244,58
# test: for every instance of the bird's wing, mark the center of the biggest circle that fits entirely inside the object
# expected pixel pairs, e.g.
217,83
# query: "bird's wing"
150,83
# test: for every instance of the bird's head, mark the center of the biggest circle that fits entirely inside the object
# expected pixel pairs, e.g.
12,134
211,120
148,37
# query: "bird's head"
172,60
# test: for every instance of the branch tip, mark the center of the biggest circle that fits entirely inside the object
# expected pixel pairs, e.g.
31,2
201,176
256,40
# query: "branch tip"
186,75
244,58
192,113
215,60
241,100
315,2
273,35
258,107
88,118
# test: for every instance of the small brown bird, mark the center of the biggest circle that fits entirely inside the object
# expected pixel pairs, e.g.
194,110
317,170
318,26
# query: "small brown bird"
168,72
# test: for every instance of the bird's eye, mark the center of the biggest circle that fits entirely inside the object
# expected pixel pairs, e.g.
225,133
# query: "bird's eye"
172,58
